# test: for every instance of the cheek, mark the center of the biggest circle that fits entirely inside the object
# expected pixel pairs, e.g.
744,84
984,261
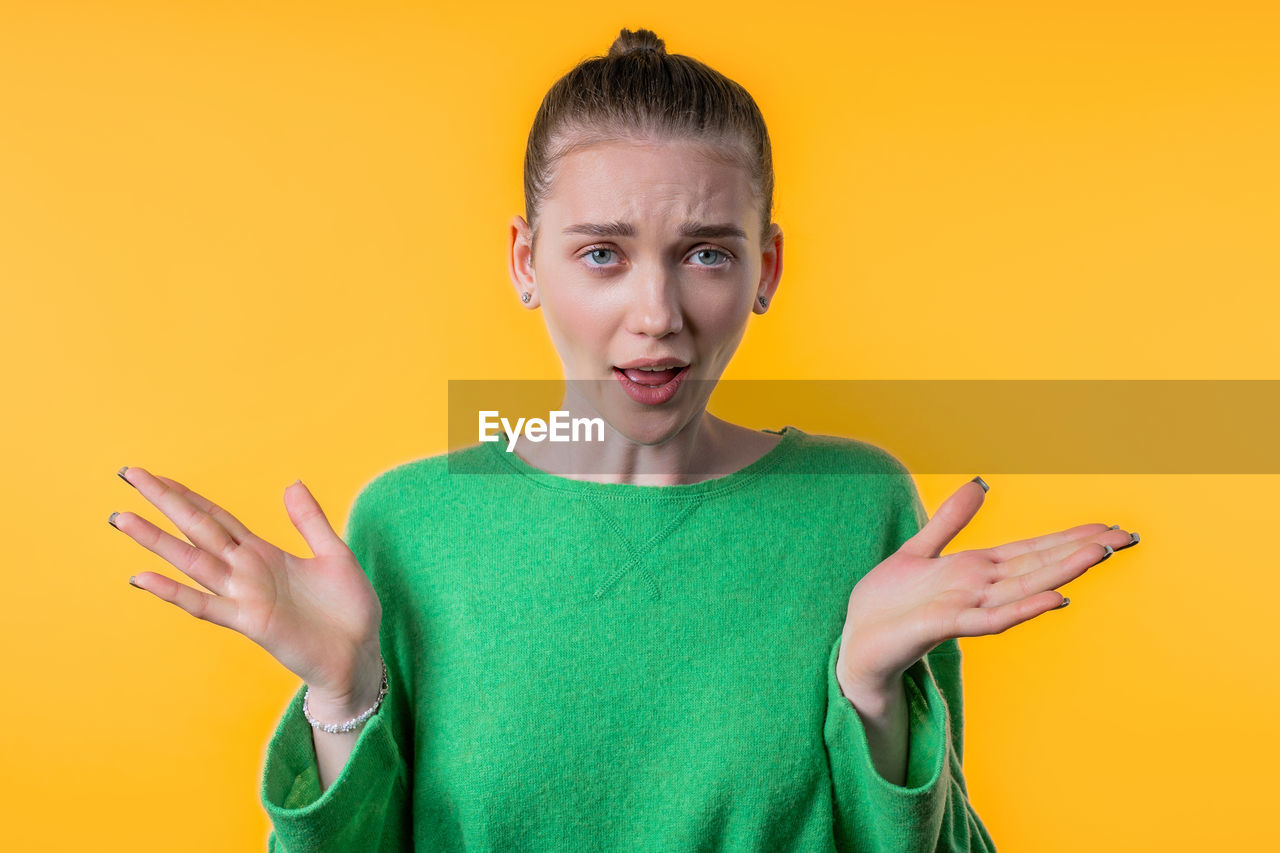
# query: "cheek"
576,323
719,308
720,317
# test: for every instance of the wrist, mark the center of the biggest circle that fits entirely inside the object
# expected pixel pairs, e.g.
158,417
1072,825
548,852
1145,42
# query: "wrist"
331,705
872,694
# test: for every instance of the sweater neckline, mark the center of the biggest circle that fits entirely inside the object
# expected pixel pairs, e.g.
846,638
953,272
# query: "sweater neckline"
716,485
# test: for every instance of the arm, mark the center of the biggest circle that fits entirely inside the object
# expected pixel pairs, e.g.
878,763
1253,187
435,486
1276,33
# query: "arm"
321,618
904,618
367,807
895,748
930,809
883,711
337,792
334,748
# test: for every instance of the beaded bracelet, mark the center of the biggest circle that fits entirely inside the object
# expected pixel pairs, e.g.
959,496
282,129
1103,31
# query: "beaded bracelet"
354,722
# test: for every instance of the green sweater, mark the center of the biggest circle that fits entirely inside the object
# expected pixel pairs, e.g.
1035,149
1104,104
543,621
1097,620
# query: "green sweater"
581,666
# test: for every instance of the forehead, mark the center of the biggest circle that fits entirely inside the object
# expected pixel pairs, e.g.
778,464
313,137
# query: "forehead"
632,181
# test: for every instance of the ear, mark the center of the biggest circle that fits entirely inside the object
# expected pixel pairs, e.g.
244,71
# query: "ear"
770,269
520,260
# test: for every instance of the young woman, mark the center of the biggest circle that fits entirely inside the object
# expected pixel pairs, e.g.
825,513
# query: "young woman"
683,634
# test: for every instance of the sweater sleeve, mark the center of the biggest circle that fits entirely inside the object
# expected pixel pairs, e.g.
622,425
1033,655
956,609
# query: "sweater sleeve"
368,806
931,811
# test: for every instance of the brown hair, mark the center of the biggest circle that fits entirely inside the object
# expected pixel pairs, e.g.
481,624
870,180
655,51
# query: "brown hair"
639,89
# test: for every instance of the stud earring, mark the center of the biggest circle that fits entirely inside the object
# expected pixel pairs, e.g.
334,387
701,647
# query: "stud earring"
763,302
524,297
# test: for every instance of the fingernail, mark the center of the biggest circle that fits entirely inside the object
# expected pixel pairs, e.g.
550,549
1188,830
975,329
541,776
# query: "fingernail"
111,519
1107,555
1134,539
1065,602
121,475
1114,527
981,482
297,482
131,583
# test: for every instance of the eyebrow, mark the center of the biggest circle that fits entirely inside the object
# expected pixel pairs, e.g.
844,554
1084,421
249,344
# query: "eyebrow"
687,229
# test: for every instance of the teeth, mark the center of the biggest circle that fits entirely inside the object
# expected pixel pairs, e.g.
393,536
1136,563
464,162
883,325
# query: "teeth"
653,369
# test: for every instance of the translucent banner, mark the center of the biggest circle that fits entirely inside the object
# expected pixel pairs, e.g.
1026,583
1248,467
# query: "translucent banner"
932,426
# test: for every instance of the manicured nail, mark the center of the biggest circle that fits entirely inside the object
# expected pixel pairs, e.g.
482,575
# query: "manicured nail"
121,475
1114,527
111,519
1065,602
131,577
1134,539
981,482
1107,555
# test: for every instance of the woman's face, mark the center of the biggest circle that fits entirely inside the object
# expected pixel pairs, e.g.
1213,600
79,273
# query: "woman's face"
646,252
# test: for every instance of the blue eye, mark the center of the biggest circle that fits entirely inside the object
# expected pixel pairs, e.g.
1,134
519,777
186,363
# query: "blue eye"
707,258
703,252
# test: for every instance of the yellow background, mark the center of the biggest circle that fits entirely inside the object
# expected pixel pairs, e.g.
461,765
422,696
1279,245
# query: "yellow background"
243,243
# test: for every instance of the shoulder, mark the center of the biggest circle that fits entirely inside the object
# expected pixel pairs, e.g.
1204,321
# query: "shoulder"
857,470
817,453
407,488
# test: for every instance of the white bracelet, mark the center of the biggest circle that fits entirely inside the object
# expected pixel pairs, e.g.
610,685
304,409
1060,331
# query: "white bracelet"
354,722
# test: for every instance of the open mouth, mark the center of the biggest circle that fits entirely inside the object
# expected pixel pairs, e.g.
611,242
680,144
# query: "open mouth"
649,386
650,376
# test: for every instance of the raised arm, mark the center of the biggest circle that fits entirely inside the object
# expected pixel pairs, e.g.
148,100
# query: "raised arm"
894,728
320,618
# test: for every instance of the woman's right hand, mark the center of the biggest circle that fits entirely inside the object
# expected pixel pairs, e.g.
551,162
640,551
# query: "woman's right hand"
318,616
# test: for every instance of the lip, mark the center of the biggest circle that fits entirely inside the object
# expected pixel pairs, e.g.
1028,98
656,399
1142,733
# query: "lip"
653,362
651,395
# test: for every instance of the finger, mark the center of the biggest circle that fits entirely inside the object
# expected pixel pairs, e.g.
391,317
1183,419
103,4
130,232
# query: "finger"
1048,540
200,566
228,521
980,621
202,605
198,526
955,512
306,515
1050,576
1033,560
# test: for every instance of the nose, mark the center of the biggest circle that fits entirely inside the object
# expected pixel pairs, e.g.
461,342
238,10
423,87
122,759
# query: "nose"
654,308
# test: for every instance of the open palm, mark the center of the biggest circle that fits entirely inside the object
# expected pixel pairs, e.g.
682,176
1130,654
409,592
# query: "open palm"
916,599
318,616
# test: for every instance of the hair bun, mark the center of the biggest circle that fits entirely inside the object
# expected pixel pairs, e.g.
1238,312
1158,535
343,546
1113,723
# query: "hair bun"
637,41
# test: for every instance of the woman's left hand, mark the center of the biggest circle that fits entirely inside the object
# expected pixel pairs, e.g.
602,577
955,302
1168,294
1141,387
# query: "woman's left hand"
916,599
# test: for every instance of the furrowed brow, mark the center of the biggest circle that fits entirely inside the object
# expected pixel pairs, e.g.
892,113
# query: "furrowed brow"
604,229
711,232
687,229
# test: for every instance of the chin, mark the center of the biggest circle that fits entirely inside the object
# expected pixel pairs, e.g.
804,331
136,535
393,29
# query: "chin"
642,425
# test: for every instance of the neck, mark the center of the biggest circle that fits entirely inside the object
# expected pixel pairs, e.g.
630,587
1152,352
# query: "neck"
701,449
